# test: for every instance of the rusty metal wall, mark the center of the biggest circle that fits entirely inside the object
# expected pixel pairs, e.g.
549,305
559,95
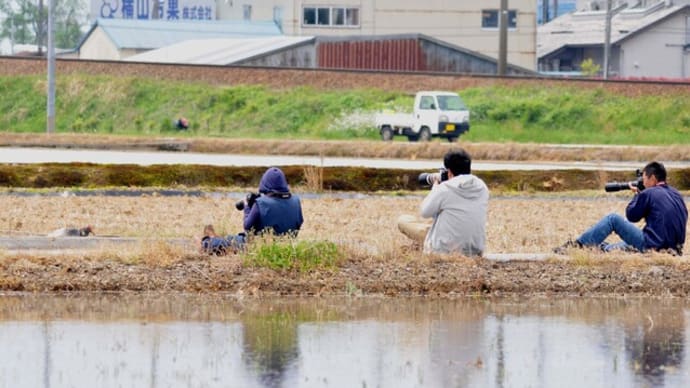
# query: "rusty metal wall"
380,54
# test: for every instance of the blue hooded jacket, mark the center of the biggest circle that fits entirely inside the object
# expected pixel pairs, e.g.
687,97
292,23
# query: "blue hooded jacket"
273,181
276,208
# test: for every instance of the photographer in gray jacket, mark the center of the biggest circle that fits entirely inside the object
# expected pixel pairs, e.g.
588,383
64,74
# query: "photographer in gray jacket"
457,207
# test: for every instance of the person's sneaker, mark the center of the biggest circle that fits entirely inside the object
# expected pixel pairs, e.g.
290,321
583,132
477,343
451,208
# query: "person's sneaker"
563,249
85,231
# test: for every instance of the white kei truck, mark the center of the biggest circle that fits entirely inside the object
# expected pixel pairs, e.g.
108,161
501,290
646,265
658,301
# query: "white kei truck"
436,114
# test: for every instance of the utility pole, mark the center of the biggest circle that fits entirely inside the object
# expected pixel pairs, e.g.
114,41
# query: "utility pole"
50,122
607,40
39,29
503,37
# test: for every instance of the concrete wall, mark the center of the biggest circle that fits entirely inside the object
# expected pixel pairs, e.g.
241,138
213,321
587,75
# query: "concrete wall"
658,53
458,22
303,56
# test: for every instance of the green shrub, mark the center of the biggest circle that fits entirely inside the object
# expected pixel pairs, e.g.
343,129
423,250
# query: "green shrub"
289,254
589,68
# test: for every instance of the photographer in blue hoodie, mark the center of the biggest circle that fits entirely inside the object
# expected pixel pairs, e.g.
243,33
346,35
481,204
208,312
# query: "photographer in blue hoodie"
274,207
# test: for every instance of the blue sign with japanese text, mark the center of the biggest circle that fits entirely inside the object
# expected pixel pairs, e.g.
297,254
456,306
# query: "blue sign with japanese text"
154,9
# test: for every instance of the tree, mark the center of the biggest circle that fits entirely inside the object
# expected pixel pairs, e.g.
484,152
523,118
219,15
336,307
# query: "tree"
26,21
589,68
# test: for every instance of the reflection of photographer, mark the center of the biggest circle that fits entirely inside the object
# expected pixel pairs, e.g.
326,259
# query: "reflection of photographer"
663,209
274,207
457,207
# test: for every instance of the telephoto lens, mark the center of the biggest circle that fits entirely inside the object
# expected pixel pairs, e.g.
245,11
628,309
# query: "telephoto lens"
616,186
250,199
427,178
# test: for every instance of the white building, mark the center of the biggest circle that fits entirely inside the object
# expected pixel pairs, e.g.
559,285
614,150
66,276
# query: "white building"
648,39
469,24
117,39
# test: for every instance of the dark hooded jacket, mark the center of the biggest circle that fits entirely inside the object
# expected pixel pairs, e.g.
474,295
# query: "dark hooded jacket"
665,214
276,208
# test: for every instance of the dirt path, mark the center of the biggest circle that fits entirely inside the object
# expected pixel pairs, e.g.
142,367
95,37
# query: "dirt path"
449,276
361,149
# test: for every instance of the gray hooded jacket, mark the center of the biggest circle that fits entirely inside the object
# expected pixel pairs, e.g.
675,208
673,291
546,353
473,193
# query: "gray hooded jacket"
458,207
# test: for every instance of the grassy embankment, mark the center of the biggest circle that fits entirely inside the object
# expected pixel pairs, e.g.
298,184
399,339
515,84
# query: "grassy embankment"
87,104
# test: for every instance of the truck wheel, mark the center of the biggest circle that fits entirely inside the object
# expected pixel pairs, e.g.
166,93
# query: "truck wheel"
425,134
386,134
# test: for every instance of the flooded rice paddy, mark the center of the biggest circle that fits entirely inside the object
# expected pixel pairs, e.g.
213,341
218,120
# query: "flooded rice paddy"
185,340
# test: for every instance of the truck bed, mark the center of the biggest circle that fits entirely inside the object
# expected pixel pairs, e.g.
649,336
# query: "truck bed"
401,120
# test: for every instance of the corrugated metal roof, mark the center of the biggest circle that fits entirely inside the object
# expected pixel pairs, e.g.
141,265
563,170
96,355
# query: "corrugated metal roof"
153,34
588,28
217,51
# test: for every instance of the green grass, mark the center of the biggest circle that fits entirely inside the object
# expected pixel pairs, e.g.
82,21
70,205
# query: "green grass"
132,106
288,254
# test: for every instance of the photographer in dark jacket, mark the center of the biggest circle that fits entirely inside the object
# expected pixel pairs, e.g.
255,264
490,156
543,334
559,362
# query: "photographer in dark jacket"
662,207
275,208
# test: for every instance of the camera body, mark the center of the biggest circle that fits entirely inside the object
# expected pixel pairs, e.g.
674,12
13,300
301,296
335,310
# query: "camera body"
428,178
250,199
618,186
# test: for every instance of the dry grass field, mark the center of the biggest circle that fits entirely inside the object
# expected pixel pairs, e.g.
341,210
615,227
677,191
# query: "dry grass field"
377,259
516,224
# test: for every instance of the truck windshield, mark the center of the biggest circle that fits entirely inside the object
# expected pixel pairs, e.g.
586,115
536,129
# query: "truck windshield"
451,103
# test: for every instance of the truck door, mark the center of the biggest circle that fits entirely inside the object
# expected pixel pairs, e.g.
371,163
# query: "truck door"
426,114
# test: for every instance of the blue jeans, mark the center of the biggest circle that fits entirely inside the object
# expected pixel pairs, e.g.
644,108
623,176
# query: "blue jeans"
632,236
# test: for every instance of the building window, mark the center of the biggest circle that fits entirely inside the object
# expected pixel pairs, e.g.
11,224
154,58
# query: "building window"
338,16
352,16
323,16
330,16
278,16
247,12
490,18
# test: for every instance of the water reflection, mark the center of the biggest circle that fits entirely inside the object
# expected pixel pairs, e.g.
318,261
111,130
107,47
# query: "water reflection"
270,345
218,341
656,347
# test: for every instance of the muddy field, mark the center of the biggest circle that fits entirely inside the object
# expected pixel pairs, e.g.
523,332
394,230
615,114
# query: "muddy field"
379,260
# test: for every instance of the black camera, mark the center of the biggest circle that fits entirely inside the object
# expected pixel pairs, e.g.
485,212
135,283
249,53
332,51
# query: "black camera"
251,198
618,186
428,178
